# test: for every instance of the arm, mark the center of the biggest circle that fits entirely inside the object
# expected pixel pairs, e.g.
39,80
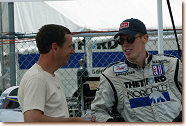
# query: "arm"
178,118
180,75
38,116
179,80
103,102
34,102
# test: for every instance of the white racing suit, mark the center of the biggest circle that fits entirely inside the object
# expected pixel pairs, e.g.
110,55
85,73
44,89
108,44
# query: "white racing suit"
149,94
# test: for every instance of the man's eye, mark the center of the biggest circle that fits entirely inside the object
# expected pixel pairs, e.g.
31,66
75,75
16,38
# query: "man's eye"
71,46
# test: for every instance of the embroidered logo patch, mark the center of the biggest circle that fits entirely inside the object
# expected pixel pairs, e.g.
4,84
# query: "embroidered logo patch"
124,25
158,70
120,68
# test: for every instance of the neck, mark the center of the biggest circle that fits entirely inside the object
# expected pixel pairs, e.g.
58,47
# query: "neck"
140,61
47,63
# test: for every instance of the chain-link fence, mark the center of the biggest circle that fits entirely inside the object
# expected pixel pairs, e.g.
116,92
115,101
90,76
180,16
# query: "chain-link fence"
97,49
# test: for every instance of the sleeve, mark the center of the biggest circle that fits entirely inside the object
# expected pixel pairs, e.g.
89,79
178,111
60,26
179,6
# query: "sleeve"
34,94
178,82
178,118
178,75
103,102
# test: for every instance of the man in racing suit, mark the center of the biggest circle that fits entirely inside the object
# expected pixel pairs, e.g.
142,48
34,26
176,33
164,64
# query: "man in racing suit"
148,86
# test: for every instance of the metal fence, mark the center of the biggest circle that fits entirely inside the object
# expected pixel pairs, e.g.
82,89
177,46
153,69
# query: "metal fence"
98,49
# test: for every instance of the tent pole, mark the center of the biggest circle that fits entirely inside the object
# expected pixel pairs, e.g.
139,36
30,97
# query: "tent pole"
88,49
1,50
160,26
12,46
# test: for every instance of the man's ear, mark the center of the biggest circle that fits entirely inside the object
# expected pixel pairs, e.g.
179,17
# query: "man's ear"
54,46
146,38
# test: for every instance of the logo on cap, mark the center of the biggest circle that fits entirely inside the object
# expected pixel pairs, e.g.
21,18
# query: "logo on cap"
124,25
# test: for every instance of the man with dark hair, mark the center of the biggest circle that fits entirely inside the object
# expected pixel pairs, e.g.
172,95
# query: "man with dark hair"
41,94
143,88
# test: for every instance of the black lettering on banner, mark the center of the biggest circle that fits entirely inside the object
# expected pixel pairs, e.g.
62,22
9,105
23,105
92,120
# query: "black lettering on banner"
80,45
103,45
97,71
110,46
93,71
107,45
102,70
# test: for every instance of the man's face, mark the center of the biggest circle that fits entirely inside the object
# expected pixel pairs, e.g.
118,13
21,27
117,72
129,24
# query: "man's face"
65,51
133,50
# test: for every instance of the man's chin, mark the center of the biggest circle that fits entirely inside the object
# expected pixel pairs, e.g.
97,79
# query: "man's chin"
128,57
64,64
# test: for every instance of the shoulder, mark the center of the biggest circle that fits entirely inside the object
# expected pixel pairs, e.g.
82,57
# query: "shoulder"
34,72
164,58
110,65
34,76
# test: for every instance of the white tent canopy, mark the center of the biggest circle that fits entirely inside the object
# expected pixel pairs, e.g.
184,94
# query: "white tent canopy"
85,15
30,16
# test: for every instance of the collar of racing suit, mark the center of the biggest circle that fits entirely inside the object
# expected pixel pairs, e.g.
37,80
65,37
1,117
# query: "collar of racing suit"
133,65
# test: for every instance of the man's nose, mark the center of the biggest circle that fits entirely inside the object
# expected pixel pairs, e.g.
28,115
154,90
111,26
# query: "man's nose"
125,42
72,51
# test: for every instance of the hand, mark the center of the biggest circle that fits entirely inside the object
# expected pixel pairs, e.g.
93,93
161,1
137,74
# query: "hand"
88,116
93,119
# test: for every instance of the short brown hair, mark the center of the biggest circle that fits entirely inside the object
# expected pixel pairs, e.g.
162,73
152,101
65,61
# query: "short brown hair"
48,34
